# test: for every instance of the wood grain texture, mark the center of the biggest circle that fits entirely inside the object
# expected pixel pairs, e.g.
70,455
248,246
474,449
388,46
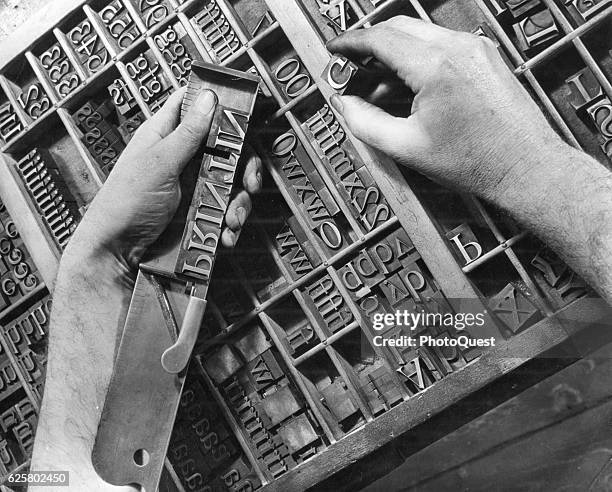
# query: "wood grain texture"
554,436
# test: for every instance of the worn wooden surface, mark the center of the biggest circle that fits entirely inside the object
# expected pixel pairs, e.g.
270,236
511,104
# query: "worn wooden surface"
16,12
556,435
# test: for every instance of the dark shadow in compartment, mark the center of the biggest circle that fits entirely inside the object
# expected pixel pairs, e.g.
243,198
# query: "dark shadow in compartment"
306,108
257,265
298,334
331,18
294,250
598,42
574,90
557,282
325,384
227,292
447,206
492,275
253,16
378,387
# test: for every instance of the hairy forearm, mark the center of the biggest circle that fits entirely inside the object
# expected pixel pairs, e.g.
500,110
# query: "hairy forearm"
566,200
90,301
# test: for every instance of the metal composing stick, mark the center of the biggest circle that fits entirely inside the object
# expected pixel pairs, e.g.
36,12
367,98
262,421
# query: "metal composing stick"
170,291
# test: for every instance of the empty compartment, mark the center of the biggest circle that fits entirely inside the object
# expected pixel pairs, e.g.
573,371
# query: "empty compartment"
297,332
338,403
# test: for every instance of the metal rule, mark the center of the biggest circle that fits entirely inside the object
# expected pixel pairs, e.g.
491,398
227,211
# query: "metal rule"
170,291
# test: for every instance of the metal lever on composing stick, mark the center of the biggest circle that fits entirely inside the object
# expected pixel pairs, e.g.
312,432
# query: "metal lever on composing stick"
175,358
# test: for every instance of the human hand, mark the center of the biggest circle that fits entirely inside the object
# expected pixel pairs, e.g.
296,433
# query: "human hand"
142,193
95,279
473,126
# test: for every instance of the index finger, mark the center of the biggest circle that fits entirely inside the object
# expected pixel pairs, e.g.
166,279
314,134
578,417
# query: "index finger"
407,56
161,124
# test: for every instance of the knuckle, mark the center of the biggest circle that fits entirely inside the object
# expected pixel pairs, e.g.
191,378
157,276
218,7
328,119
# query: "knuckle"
395,22
482,45
443,61
141,130
486,43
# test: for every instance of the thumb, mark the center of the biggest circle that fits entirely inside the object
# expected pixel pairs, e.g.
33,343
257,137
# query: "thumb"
182,144
375,127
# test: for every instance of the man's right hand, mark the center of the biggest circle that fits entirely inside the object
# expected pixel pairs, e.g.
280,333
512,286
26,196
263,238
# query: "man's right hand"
473,127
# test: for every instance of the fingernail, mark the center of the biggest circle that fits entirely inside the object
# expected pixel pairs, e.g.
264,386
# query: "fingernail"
206,101
336,102
241,214
231,238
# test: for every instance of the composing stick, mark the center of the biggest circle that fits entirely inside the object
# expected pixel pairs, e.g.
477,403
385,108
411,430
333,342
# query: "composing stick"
170,292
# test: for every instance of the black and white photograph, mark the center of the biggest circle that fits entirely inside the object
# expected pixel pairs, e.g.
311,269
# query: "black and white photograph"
306,245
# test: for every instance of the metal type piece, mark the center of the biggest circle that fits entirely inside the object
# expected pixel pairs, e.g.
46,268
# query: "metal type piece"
466,247
536,32
514,309
601,115
584,87
47,190
359,79
582,10
34,101
519,8
88,46
216,32
10,125
120,24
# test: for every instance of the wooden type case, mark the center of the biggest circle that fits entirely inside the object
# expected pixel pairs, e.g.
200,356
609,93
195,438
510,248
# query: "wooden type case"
287,386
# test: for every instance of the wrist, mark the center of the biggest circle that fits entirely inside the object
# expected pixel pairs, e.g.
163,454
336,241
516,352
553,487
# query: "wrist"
553,180
565,197
86,260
